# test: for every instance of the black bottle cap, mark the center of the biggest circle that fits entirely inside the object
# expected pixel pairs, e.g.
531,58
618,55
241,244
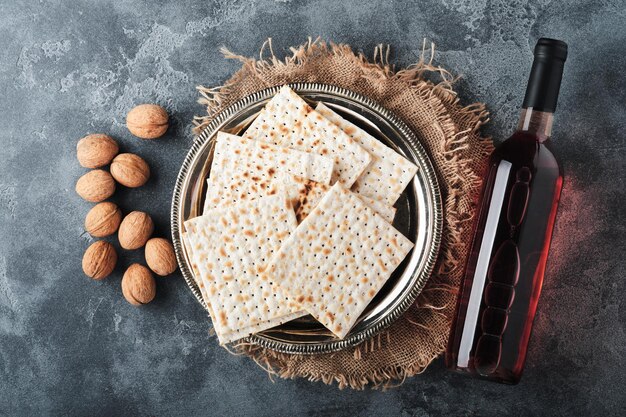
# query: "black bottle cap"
544,82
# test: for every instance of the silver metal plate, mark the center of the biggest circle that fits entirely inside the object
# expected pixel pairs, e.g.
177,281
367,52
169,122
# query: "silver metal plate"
418,217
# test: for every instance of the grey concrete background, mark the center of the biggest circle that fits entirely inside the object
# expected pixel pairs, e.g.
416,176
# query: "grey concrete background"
71,346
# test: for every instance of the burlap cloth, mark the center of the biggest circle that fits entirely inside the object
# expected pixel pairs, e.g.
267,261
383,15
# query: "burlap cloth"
422,96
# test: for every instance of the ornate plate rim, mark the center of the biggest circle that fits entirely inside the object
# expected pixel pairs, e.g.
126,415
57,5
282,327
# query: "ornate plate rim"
430,177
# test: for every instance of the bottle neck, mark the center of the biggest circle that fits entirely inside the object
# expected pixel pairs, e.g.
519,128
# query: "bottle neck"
538,123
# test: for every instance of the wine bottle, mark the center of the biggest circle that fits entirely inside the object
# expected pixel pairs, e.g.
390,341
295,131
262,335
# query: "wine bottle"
504,274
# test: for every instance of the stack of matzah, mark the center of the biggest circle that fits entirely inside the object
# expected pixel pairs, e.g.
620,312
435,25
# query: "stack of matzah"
282,235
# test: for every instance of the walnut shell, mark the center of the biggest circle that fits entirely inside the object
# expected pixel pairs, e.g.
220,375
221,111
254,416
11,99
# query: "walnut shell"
160,256
103,219
135,230
95,186
96,150
138,285
130,170
147,121
99,260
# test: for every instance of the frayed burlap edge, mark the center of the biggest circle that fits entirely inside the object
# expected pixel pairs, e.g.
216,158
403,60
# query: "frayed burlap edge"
459,157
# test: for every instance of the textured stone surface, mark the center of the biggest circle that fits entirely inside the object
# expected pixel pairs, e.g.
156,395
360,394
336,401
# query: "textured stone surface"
72,346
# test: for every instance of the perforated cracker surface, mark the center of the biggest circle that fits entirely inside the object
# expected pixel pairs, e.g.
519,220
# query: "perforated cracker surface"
307,202
388,172
245,169
338,258
287,120
231,246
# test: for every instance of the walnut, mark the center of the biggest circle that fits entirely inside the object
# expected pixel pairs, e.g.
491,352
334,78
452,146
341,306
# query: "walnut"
160,256
103,219
130,170
147,121
99,260
138,285
96,150
135,230
95,186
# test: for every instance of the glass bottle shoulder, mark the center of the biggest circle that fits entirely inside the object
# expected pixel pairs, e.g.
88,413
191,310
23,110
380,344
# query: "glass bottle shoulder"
526,149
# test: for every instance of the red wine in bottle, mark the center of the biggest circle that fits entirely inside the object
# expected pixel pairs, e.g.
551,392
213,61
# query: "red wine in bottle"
503,277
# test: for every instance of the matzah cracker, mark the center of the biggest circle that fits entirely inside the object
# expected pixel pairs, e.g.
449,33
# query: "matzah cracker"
314,194
196,274
387,174
226,335
245,169
231,246
338,258
287,120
